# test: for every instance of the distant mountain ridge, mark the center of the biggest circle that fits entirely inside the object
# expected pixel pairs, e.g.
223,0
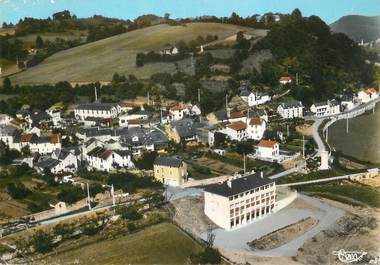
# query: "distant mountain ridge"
358,28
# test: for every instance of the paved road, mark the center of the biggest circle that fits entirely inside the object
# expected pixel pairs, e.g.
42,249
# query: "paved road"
288,171
235,242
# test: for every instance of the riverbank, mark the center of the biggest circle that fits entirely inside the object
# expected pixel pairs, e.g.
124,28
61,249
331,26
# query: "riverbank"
362,141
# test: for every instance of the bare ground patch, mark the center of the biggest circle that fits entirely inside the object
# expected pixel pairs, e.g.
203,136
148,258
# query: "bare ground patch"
282,236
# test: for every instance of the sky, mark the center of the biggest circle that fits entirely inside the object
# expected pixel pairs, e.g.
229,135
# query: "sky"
328,10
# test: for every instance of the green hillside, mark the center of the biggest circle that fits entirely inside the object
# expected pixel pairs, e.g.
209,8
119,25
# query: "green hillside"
99,60
358,27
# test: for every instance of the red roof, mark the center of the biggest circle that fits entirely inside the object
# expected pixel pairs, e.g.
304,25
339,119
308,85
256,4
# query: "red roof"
237,126
25,138
285,78
370,91
256,121
55,138
237,114
178,107
267,143
135,122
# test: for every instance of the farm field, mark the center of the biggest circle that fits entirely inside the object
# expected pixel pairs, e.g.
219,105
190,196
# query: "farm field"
163,243
99,60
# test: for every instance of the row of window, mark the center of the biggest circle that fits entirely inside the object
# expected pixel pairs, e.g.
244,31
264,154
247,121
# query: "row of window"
258,203
240,195
250,216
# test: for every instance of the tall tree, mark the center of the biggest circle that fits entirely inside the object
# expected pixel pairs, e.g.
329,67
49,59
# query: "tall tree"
39,42
7,85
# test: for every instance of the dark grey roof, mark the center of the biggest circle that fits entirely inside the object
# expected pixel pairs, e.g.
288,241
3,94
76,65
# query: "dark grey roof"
221,115
38,116
185,128
168,161
319,104
96,106
96,131
47,163
123,152
291,104
245,93
7,130
334,102
347,98
239,185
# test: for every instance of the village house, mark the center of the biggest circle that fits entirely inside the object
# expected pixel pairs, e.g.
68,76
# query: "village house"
256,128
254,99
268,150
97,110
290,110
5,119
103,159
236,131
367,95
285,80
171,171
219,116
37,144
169,50
60,161
326,108
240,200
184,130
347,102
177,112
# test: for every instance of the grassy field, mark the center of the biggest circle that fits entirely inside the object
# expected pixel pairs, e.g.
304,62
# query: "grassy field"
350,190
30,39
159,244
99,60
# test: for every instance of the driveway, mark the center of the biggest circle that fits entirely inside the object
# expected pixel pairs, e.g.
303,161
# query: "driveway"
235,241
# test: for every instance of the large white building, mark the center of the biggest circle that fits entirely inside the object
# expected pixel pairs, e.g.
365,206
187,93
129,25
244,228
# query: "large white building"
240,200
97,110
290,110
327,108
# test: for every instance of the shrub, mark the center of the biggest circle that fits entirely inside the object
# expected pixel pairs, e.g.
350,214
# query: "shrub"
129,212
42,242
208,256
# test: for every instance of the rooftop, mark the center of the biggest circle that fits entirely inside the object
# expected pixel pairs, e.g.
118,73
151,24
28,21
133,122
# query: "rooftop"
237,126
239,185
267,143
168,161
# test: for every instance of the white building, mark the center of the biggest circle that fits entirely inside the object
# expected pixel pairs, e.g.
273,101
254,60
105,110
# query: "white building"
169,50
236,130
5,119
178,112
285,80
367,95
256,128
268,150
240,200
97,110
37,144
327,108
103,159
60,161
347,103
290,110
254,99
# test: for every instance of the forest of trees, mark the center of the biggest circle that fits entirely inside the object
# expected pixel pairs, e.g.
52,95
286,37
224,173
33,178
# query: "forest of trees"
328,63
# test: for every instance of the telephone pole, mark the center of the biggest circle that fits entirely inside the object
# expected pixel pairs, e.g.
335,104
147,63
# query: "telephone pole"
88,197
303,146
347,125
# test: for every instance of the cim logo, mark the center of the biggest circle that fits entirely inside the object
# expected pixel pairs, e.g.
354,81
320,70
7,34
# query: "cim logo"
349,256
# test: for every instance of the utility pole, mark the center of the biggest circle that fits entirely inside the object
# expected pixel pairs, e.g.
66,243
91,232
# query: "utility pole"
113,196
244,165
88,197
297,78
287,130
199,104
347,125
327,134
303,146
148,99
226,102
96,94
